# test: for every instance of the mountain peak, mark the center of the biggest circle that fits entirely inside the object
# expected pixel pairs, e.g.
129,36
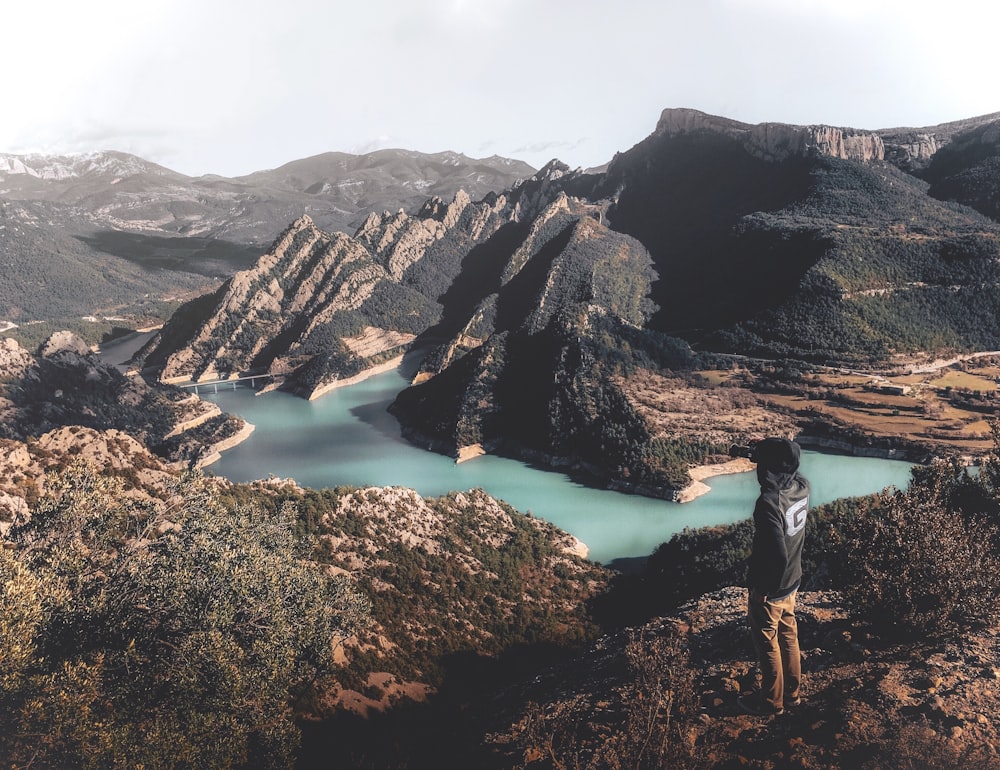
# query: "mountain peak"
554,169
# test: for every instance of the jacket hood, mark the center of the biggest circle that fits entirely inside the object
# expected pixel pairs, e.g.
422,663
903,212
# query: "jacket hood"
777,458
778,455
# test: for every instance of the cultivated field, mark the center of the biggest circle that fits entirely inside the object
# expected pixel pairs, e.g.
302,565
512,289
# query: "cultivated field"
946,411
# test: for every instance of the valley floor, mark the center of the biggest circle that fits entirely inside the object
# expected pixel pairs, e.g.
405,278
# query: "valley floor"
932,409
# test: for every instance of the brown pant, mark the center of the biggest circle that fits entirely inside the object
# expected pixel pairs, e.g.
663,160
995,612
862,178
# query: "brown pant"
775,636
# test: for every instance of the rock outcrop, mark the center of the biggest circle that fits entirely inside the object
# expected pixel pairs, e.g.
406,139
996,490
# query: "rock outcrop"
67,393
24,467
64,342
912,149
777,141
14,360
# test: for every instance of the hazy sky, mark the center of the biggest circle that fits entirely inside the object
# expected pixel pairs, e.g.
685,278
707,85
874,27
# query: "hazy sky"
233,86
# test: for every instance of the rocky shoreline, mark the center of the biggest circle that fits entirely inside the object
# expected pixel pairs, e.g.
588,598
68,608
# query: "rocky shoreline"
387,366
235,440
913,453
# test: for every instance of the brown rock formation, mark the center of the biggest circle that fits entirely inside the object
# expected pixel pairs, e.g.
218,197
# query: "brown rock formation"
286,315
23,466
777,141
306,277
14,360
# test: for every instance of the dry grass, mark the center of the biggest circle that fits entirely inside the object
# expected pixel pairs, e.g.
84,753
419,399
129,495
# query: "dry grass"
699,408
966,381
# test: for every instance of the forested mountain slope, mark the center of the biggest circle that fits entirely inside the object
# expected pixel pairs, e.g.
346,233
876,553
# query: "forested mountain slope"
780,242
807,254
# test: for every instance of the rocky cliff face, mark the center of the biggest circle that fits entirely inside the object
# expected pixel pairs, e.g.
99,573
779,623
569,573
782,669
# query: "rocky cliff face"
912,149
908,148
777,141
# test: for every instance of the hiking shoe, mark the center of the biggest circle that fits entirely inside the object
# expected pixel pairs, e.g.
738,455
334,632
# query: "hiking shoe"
754,705
793,702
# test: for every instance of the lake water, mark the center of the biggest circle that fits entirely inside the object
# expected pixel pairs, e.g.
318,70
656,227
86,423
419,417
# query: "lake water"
347,438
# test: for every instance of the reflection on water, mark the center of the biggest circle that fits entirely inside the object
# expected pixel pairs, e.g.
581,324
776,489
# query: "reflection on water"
347,438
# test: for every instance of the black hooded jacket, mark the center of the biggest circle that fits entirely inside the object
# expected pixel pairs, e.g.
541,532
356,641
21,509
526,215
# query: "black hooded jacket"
779,518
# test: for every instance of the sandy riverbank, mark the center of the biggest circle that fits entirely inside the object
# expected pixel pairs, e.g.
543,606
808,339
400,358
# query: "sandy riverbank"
700,473
388,366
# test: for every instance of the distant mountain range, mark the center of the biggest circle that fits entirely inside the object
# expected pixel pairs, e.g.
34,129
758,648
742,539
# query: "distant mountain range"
99,233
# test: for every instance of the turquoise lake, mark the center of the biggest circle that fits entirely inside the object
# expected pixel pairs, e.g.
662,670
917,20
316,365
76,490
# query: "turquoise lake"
348,438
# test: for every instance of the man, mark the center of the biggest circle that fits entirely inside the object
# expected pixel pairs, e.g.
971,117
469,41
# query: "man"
775,573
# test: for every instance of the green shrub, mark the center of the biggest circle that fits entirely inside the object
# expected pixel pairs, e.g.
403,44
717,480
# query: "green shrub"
925,561
159,635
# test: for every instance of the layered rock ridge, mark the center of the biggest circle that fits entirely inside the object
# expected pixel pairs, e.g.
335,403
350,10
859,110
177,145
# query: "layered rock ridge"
66,403
319,309
528,373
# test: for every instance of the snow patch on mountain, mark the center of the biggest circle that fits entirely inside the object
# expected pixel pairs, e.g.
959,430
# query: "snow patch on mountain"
60,167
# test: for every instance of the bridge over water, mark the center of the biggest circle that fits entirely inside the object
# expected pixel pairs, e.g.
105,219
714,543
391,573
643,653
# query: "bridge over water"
235,382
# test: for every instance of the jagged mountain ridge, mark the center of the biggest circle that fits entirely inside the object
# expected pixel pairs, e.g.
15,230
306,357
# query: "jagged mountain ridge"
118,214
20,172
307,311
